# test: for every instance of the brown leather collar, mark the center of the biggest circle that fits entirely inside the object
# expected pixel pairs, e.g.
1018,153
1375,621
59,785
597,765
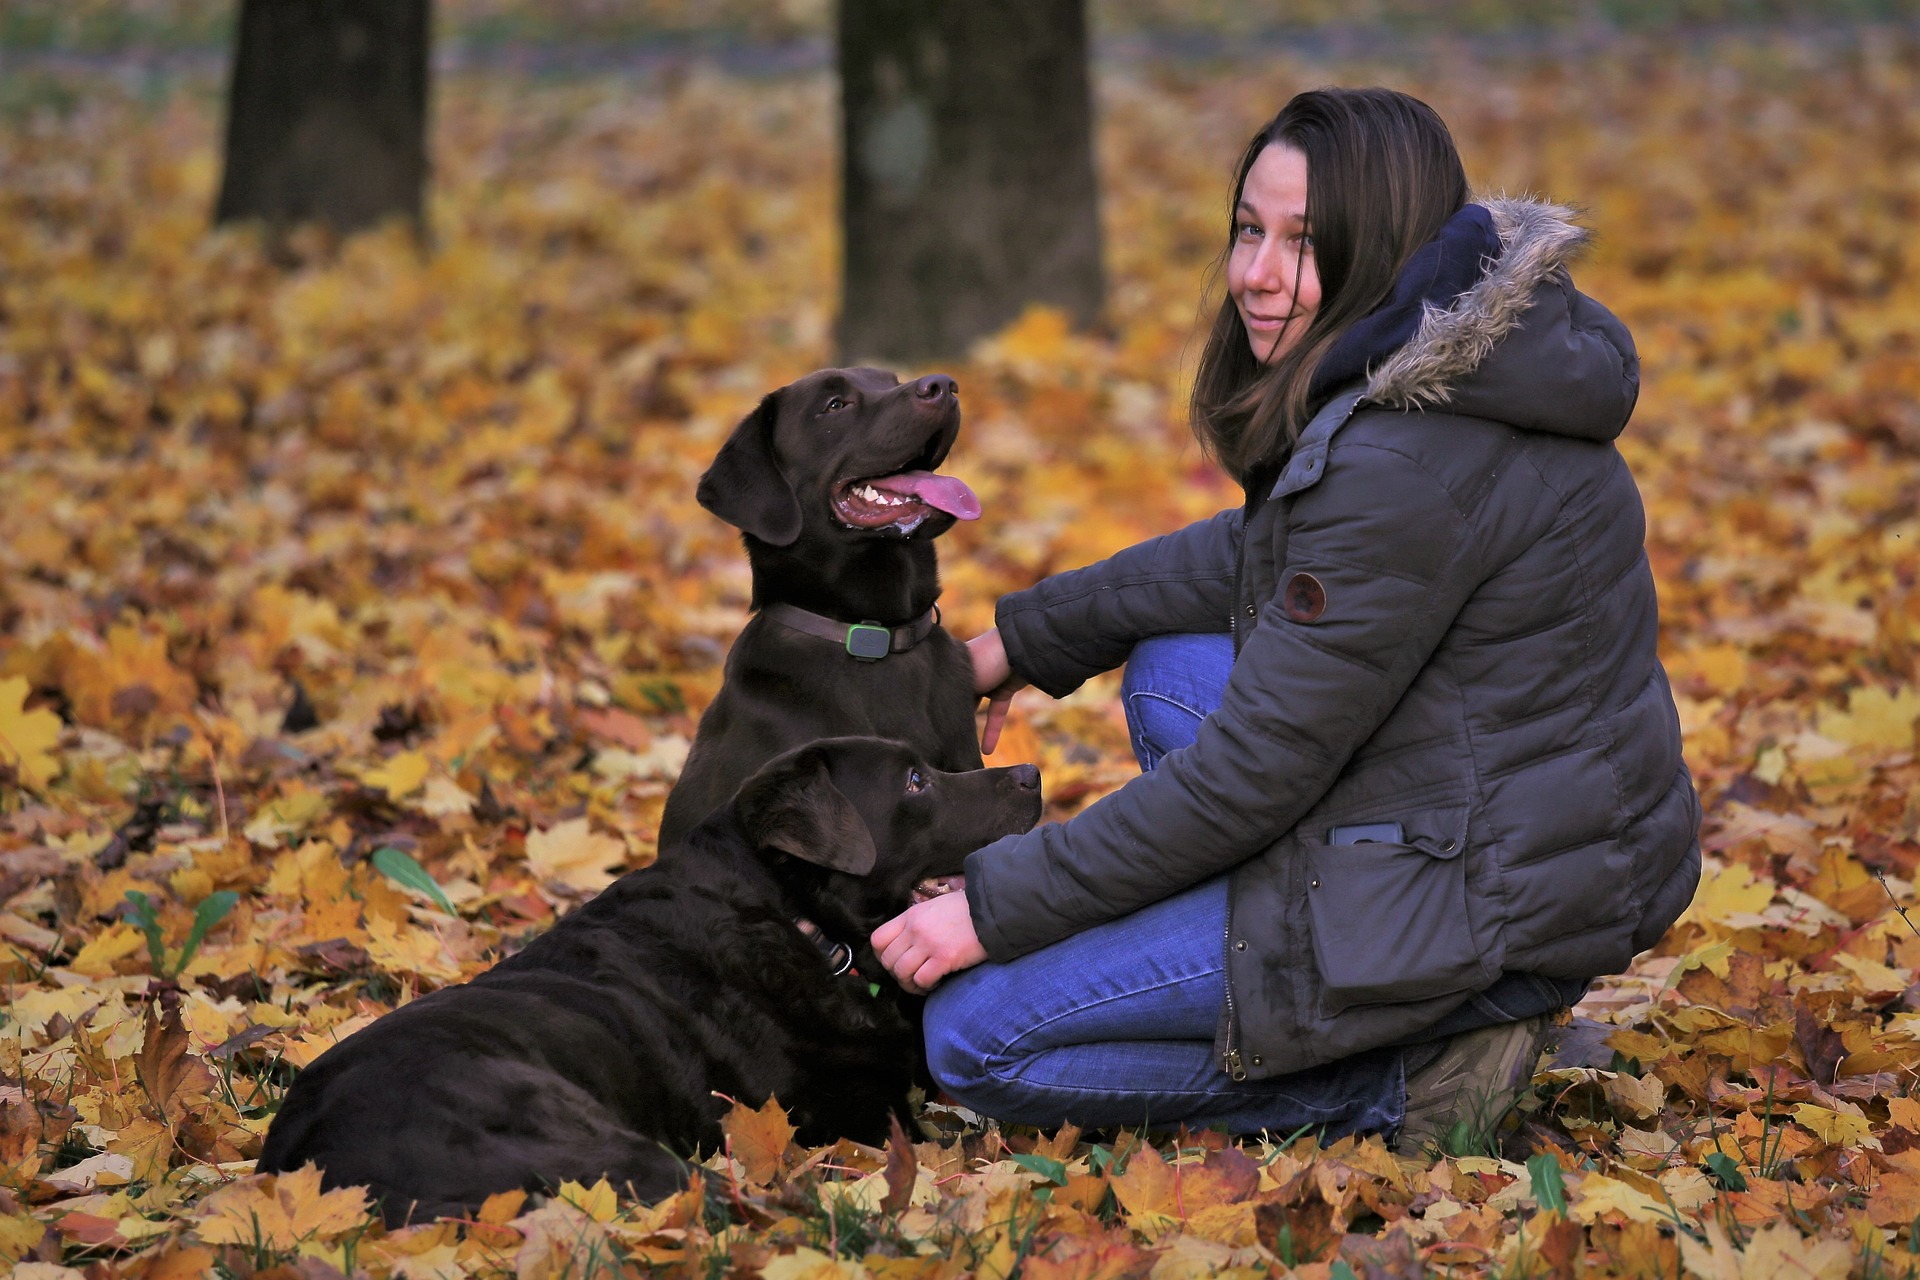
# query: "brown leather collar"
838,955
865,641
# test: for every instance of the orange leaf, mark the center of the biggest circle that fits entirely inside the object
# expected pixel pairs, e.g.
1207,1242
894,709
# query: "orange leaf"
758,1139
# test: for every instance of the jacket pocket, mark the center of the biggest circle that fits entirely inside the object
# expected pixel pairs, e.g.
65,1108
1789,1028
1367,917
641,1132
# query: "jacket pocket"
1390,921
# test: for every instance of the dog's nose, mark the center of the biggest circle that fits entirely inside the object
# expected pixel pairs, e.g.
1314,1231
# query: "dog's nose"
936,386
1025,776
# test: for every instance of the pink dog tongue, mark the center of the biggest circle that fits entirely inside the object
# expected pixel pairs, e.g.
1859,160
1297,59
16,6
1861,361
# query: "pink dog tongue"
943,492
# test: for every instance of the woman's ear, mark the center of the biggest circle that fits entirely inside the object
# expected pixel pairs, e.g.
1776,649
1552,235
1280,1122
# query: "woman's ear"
745,487
792,805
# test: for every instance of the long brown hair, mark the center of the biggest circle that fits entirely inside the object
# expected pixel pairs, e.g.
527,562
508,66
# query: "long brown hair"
1383,177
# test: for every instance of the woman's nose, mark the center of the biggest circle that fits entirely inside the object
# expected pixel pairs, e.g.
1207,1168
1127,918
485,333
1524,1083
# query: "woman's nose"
1266,273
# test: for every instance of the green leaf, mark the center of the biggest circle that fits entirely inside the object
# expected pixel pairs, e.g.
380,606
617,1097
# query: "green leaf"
1339,1270
398,866
1725,1170
148,922
212,910
1052,1170
1549,1188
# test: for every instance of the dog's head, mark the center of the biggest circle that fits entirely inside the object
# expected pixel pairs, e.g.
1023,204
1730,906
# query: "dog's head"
842,453
850,825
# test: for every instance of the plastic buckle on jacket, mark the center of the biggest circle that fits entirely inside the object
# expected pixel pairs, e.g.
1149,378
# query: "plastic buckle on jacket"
868,642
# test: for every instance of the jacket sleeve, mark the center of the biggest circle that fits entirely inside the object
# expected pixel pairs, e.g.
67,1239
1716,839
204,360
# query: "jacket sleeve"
1396,558
1077,624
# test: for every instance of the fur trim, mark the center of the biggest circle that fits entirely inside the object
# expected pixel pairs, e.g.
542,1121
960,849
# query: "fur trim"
1537,240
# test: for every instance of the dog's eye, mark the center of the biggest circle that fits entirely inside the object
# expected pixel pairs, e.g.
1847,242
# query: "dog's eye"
835,404
916,781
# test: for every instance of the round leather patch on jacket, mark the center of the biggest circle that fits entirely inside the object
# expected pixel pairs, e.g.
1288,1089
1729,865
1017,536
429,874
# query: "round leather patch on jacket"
1303,598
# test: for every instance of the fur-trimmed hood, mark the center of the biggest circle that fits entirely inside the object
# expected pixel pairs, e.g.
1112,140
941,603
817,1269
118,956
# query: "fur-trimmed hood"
1522,346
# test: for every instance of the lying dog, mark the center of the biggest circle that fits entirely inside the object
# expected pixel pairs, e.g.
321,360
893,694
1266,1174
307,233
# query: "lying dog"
599,1049
831,483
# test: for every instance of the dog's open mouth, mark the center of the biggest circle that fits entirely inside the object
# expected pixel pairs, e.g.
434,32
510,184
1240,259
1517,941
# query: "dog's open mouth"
938,887
903,501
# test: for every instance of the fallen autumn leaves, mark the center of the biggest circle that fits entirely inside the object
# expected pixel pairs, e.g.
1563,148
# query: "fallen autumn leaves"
319,570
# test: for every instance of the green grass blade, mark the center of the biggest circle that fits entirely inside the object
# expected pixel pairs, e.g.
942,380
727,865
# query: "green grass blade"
211,911
398,866
1549,1188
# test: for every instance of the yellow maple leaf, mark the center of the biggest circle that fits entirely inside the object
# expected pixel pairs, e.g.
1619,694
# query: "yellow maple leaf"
407,949
810,1264
1728,891
597,1201
1874,718
1835,1128
108,947
1875,978
574,855
281,1212
1721,667
1776,1251
400,776
287,815
133,679
1639,1097
19,1233
1597,1196
27,738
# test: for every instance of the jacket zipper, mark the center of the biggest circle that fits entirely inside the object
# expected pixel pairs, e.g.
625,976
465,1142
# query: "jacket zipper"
1231,1058
1239,588
1256,498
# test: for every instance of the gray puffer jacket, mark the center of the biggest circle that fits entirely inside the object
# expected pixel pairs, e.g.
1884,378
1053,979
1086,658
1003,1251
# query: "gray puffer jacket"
1443,617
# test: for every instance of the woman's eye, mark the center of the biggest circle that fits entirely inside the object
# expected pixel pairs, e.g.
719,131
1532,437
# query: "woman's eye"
1248,229
916,781
1306,240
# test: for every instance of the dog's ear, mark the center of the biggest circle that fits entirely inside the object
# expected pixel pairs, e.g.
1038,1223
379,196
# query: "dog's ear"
792,805
745,487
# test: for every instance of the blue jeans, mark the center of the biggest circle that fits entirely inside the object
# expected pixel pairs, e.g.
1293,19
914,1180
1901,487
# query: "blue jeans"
1115,1025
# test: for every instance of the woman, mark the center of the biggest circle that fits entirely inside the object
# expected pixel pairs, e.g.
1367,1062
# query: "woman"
1412,771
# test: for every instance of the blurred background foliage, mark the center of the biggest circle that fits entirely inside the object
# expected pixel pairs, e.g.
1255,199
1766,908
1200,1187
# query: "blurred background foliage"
118,26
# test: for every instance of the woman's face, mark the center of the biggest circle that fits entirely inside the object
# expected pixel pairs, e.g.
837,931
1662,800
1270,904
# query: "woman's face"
1270,273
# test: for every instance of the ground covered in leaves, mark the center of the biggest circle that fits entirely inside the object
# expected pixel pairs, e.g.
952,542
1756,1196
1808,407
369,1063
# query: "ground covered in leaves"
355,612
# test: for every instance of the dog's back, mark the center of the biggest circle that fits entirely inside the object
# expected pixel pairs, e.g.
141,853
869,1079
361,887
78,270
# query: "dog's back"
576,1058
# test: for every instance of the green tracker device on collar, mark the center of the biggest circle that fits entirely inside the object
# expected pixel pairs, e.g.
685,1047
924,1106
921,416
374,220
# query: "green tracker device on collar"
869,641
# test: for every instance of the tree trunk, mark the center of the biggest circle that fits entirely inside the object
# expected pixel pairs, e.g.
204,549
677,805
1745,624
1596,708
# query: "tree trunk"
967,171
327,116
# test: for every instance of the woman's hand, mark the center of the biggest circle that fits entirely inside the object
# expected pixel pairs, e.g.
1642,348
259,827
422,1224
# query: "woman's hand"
928,941
994,680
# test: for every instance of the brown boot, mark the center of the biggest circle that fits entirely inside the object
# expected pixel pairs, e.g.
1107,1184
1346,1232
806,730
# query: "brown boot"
1459,1097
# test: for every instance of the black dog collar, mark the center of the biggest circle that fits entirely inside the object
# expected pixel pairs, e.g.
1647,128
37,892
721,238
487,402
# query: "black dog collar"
867,641
838,955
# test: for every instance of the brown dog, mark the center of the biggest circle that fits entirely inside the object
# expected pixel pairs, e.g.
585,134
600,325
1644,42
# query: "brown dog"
831,482
743,968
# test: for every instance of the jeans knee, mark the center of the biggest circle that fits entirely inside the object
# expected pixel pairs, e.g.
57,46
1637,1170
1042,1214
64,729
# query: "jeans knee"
956,1062
1157,726
1171,684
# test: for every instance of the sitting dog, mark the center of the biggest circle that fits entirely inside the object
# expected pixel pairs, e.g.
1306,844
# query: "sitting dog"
599,1049
831,483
